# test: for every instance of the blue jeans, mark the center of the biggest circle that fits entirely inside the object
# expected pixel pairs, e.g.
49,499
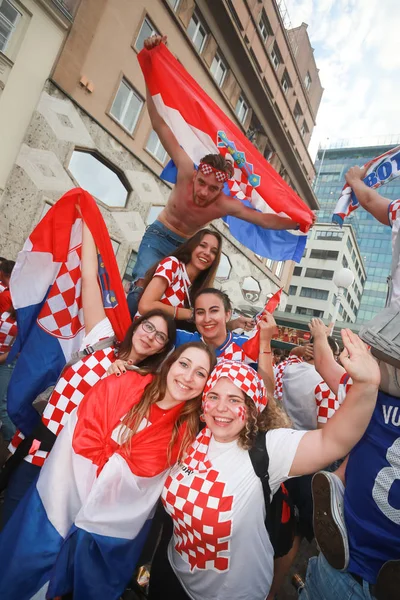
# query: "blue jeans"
20,482
157,243
323,582
7,426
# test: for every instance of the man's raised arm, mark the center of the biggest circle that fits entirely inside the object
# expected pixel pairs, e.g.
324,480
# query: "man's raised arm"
235,208
164,132
369,199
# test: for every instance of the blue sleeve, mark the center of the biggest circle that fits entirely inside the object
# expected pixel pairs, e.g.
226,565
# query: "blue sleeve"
182,337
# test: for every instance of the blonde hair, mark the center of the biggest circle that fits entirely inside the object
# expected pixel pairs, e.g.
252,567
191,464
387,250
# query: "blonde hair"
154,392
272,417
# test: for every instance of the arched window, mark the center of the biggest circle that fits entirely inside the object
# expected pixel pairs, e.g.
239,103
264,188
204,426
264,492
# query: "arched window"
95,174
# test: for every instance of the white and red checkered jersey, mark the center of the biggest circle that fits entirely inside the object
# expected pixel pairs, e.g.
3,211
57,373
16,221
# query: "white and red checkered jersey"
327,402
279,371
71,387
8,331
394,221
174,271
218,513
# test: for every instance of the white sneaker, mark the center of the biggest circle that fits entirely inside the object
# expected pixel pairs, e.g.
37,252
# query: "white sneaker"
329,525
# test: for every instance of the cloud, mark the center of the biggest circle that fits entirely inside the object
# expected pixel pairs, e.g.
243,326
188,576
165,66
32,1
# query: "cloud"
355,50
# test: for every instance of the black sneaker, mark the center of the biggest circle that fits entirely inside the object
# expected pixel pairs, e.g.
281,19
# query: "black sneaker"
388,582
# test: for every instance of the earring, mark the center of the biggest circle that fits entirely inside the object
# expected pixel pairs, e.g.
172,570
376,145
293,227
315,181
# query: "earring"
202,418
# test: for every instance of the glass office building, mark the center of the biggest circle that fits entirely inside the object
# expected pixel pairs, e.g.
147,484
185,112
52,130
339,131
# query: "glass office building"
373,238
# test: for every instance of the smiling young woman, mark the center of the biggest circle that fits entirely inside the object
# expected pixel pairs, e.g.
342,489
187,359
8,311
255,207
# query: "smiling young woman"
214,495
172,283
81,528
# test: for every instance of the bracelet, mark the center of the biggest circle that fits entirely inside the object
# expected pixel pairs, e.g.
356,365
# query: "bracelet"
265,352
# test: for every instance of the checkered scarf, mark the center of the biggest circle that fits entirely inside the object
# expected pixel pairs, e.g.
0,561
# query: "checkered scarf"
279,372
207,169
246,379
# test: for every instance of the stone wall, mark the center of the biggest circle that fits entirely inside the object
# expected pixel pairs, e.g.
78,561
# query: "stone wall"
41,175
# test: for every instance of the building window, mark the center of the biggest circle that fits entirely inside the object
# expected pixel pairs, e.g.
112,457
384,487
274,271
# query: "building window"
285,82
126,106
307,292
292,290
349,244
218,70
276,56
319,273
324,254
268,263
288,308
146,30
155,147
241,109
224,268
279,269
174,4
9,17
130,266
297,271
345,263
197,33
99,178
307,81
297,112
251,289
304,129
334,236
264,27
310,312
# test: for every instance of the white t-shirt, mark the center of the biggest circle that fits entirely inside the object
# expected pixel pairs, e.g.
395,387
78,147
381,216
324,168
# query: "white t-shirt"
299,382
221,548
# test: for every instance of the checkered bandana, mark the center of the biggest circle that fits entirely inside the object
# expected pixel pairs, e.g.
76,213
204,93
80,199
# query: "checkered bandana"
220,176
244,377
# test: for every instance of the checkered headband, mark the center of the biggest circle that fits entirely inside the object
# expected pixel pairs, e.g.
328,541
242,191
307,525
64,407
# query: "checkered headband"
207,169
244,377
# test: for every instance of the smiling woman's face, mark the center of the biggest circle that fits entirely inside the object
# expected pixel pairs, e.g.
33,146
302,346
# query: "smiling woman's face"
225,410
188,375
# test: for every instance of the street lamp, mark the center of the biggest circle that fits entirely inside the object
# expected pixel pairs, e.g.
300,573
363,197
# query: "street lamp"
343,279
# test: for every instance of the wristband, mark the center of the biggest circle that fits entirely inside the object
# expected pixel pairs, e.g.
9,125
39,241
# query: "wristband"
265,352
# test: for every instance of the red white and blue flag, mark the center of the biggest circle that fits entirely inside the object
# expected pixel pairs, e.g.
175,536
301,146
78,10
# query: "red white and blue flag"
81,527
201,128
46,292
380,170
252,347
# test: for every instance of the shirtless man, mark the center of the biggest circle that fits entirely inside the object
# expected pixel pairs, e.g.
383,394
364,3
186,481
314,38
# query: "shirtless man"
196,199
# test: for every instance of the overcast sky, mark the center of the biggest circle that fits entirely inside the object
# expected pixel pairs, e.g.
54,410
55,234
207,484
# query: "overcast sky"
355,50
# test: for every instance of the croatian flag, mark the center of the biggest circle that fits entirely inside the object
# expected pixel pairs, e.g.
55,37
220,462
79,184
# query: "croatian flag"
201,128
380,170
81,527
252,347
46,293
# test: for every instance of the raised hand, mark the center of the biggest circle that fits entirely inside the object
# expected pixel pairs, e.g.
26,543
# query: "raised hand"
268,327
318,328
154,40
358,361
355,174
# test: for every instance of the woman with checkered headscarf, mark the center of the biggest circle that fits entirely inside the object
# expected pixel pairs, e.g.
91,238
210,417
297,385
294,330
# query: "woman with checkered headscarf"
221,548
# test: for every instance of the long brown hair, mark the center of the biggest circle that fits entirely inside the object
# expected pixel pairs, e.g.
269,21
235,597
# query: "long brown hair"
155,391
184,253
272,417
150,363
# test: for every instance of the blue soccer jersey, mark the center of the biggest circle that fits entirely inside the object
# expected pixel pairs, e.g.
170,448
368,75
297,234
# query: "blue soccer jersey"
372,497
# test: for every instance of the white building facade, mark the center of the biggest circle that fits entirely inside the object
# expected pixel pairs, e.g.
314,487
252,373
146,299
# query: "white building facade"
312,291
